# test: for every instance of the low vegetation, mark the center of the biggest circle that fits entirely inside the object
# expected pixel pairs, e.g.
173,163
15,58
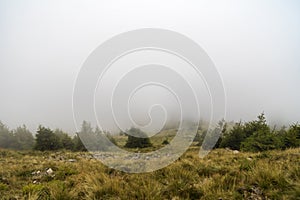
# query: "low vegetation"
223,174
137,139
253,136
251,160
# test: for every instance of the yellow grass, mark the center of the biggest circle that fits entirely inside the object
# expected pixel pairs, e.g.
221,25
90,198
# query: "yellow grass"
220,175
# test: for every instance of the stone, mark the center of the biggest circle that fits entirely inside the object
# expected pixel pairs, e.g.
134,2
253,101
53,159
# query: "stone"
235,152
49,171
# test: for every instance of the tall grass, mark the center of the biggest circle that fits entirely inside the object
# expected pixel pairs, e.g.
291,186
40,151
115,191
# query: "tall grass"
220,175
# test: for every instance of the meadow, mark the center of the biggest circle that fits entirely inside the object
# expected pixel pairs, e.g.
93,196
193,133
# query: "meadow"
222,174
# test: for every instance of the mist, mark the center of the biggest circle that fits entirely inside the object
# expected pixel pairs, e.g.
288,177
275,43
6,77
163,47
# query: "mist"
254,45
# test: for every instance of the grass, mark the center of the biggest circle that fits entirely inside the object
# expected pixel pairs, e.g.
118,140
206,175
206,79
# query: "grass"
220,175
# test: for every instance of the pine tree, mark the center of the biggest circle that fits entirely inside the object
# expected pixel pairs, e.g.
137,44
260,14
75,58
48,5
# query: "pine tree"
137,139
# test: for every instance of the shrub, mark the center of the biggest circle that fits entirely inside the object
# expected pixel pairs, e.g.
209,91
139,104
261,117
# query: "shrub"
165,142
46,140
137,139
251,136
234,138
65,140
78,145
262,140
291,138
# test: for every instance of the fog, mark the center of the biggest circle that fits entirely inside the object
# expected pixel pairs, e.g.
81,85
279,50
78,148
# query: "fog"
255,46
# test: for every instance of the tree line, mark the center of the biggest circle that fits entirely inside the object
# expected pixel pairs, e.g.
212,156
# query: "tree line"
255,136
252,136
45,138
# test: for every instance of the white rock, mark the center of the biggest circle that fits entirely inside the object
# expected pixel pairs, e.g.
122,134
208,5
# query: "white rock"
49,171
235,152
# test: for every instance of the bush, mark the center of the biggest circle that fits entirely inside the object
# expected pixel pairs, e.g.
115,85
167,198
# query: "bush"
291,138
251,136
166,141
262,140
46,140
234,138
65,140
137,139
78,145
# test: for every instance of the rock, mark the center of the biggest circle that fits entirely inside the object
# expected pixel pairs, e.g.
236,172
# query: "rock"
249,158
235,152
254,193
72,160
36,172
49,171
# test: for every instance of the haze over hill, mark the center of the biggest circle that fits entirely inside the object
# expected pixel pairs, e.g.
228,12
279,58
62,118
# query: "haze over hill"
255,46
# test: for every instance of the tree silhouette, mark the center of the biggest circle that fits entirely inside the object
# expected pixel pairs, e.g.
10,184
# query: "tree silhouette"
137,139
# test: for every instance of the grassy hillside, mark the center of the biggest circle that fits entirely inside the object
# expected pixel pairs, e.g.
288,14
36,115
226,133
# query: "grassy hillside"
223,174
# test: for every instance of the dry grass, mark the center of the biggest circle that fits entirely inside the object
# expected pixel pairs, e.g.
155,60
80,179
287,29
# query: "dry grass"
220,175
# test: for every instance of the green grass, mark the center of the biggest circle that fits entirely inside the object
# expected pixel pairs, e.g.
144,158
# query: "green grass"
220,175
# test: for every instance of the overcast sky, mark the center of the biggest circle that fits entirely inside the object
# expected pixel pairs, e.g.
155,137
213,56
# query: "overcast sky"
254,44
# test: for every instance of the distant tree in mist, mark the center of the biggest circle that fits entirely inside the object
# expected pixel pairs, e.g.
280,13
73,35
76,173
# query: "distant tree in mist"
78,145
87,136
7,139
212,139
93,140
254,136
24,138
137,139
65,141
19,139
